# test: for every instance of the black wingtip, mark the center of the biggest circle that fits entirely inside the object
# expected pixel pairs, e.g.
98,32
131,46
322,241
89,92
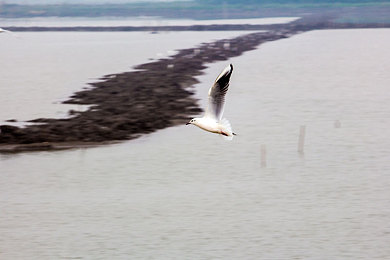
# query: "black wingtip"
231,67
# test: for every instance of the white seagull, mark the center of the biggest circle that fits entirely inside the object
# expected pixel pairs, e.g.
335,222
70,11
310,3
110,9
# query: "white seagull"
212,120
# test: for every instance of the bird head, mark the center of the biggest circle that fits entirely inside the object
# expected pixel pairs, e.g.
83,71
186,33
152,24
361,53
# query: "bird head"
191,122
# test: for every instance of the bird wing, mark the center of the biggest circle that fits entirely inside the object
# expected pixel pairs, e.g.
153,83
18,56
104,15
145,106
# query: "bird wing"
217,94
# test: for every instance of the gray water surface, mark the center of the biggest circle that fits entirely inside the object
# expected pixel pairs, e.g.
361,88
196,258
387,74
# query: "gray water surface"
132,21
182,193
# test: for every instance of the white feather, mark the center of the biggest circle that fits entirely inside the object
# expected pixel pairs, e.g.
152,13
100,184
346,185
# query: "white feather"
216,94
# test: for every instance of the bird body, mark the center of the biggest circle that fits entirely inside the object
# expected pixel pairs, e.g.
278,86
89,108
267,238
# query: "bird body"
212,120
210,125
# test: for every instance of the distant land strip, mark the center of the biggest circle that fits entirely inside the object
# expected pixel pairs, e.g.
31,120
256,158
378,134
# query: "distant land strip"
212,27
352,10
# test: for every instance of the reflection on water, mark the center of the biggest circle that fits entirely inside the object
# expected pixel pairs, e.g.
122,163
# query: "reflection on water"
182,193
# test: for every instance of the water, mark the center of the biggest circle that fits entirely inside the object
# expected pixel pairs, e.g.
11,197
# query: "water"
181,193
133,21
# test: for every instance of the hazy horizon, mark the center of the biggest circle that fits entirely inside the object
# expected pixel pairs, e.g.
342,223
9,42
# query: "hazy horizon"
32,2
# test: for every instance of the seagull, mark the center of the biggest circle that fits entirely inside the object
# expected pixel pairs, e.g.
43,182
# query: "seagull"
212,120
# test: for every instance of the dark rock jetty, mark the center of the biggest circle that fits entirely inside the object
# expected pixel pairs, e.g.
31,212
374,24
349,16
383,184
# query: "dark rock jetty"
124,106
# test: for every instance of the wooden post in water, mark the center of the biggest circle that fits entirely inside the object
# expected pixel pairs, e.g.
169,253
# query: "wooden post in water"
263,156
337,124
301,140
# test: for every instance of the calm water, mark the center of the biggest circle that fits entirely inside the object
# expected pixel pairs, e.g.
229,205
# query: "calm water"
181,193
133,21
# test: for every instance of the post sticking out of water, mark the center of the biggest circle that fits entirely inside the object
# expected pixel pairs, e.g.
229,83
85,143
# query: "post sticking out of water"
337,124
263,156
301,140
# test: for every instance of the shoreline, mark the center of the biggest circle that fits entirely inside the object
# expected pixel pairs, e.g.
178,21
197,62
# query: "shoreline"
124,106
302,23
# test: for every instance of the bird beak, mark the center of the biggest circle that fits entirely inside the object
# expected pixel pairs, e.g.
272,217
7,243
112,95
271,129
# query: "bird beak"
188,123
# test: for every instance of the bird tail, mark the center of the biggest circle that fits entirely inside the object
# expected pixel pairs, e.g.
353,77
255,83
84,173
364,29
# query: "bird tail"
227,130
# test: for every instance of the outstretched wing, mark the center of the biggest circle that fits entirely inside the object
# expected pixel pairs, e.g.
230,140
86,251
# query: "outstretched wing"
217,94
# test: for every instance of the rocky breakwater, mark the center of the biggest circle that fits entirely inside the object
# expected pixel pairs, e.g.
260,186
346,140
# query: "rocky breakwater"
124,106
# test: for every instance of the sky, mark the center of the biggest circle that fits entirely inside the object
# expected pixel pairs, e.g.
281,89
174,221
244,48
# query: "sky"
78,1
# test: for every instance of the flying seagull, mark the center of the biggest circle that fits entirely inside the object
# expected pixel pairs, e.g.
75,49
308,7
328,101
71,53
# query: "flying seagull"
212,120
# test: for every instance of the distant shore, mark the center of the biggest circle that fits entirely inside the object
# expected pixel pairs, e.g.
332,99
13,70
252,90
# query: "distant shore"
342,10
127,105
211,27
